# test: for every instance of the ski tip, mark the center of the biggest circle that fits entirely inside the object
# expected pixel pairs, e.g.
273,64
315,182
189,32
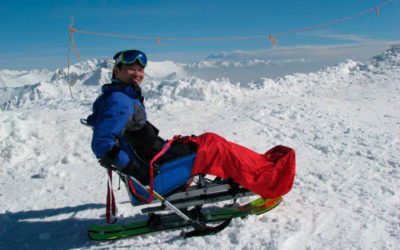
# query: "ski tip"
261,205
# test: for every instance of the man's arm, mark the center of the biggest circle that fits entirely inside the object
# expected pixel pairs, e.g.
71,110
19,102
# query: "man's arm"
109,126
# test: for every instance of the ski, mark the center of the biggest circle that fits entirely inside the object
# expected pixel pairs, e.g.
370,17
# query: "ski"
163,222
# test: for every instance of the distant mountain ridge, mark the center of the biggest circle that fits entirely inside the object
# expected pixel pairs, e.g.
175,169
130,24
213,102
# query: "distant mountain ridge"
168,79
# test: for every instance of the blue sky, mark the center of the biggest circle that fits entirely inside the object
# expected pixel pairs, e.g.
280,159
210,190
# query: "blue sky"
35,33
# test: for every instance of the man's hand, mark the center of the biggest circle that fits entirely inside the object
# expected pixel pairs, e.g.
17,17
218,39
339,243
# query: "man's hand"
107,162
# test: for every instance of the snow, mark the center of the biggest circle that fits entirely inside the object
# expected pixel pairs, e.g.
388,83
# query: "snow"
343,121
15,78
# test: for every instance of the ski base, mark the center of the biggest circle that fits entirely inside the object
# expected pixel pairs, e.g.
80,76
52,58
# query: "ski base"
157,223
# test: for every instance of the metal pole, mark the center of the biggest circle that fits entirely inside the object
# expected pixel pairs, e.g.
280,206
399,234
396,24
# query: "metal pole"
69,57
196,224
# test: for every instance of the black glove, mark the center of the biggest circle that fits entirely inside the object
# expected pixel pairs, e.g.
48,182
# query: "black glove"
137,170
108,160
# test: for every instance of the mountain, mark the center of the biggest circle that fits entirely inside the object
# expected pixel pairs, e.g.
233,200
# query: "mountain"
170,81
27,88
91,72
16,78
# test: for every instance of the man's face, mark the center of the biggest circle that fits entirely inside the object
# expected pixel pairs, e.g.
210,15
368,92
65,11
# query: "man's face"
130,74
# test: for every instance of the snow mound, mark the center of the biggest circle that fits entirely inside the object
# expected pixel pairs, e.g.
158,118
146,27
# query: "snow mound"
165,70
191,89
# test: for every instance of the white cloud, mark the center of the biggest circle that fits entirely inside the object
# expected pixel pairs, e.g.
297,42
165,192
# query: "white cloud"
356,47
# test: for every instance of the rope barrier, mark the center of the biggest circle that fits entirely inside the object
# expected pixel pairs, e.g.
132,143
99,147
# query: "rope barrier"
273,40
271,37
340,20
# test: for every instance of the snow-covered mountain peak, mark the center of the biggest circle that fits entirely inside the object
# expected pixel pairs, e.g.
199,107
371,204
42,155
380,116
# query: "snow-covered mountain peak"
391,56
85,73
168,80
19,78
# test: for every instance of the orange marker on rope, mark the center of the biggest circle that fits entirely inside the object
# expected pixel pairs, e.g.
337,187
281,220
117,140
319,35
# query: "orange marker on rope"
72,30
377,10
273,40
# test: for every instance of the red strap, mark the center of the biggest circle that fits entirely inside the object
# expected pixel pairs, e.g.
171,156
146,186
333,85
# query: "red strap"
155,158
133,191
110,203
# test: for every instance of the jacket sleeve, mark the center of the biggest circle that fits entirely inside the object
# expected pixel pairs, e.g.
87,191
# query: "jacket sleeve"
109,126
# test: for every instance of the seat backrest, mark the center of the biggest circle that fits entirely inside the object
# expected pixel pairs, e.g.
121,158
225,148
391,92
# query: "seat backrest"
172,175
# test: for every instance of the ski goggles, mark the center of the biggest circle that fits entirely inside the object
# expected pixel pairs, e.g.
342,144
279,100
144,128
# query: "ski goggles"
130,57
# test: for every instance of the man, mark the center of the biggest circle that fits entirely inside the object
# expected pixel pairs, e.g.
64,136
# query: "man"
122,136
124,139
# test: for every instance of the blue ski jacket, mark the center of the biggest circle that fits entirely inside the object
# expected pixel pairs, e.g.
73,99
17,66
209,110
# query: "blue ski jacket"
112,111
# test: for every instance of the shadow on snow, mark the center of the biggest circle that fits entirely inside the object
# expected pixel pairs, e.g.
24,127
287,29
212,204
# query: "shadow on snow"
31,229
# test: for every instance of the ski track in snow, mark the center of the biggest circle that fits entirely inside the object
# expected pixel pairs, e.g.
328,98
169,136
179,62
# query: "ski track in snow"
342,121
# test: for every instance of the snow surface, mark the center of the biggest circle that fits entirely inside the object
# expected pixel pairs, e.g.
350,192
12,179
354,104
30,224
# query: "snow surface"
343,121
